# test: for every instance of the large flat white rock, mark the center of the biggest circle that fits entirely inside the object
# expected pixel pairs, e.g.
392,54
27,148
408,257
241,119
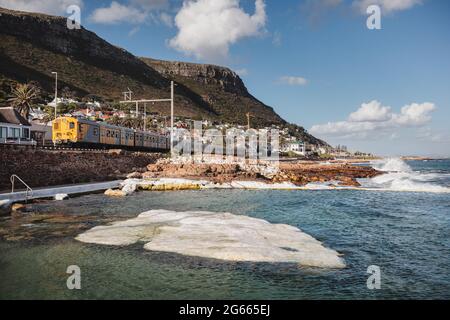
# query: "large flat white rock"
222,236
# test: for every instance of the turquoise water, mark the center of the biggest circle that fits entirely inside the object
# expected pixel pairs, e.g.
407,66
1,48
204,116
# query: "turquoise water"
406,234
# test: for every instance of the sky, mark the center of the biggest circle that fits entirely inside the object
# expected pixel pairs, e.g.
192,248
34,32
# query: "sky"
316,62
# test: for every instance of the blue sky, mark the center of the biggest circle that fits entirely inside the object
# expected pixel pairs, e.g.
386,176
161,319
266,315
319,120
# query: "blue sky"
384,91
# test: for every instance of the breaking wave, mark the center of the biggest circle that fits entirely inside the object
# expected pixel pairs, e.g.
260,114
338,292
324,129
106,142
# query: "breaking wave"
400,176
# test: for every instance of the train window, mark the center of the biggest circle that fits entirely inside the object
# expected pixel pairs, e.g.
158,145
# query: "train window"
72,125
56,125
95,132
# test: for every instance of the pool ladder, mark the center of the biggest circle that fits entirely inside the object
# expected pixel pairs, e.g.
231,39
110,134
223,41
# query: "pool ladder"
28,192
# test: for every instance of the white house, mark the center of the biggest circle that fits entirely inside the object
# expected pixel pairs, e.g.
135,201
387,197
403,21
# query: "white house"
296,147
14,129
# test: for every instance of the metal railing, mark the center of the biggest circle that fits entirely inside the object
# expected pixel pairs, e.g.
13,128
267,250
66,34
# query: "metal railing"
28,192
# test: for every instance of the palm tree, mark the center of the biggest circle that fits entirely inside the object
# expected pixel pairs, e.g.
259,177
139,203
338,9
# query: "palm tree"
128,122
115,121
23,97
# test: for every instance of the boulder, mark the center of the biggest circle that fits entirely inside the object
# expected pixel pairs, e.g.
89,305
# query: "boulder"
348,182
115,193
18,207
61,197
134,175
5,207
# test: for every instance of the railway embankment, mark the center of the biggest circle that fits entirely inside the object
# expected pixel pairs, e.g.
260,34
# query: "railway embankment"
43,168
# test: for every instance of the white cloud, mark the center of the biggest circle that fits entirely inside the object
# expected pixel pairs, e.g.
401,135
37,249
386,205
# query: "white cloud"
242,72
414,114
134,31
166,19
387,6
372,111
53,7
293,81
207,28
372,117
117,13
134,12
277,39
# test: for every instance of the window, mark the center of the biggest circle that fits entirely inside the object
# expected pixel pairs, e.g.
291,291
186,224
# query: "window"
72,125
25,133
14,133
56,125
3,132
95,132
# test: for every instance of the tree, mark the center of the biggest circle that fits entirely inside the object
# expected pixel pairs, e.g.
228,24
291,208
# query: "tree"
49,115
128,122
115,121
23,97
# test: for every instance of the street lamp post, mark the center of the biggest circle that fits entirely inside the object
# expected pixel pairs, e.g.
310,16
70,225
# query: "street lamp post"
56,91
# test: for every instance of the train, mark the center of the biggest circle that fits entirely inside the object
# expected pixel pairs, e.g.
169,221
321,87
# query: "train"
81,133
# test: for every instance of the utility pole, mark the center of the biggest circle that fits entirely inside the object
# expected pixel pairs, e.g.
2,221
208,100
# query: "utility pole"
137,110
128,100
248,119
56,91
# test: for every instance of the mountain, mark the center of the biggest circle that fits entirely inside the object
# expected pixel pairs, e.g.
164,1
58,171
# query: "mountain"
33,45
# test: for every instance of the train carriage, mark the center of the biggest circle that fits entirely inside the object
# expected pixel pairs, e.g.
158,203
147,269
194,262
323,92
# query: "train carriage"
127,137
73,132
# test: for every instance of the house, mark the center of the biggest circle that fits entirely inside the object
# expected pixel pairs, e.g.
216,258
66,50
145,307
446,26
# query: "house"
14,129
41,133
296,147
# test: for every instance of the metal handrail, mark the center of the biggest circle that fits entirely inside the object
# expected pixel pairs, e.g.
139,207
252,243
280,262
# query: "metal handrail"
28,191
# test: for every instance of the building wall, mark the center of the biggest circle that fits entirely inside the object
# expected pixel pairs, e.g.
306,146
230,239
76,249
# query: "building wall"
14,133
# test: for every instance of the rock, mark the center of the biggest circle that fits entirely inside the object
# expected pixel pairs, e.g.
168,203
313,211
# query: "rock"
61,196
115,193
134,175
348,182
222,236
5,207
129,188
18,207
116,151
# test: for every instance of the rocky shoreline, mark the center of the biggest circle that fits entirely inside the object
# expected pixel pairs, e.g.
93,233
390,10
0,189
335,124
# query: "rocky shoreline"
167,176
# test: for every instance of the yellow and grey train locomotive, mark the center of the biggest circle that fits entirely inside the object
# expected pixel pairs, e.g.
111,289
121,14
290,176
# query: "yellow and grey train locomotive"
73,132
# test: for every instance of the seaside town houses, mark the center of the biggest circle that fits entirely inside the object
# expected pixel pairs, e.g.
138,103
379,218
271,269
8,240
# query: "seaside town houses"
37,130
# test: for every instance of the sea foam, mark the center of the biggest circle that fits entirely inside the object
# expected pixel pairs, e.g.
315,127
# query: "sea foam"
222,236
399,176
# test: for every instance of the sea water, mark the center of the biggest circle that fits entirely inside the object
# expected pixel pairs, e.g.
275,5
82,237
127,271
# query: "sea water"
400,222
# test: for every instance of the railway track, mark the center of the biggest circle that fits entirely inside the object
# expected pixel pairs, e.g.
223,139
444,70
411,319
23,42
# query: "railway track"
73,149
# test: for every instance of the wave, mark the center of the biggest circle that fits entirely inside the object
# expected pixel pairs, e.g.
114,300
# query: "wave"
399,176
392,165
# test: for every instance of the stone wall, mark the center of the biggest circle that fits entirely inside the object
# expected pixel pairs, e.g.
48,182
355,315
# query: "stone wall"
40,168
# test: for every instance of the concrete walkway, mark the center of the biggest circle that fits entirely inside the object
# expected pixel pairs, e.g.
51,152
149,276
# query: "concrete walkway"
50,192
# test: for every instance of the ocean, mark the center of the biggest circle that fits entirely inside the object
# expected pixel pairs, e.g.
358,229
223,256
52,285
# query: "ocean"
399,222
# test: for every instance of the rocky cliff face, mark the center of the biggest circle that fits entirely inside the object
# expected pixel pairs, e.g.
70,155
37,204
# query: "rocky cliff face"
51,33
205,74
